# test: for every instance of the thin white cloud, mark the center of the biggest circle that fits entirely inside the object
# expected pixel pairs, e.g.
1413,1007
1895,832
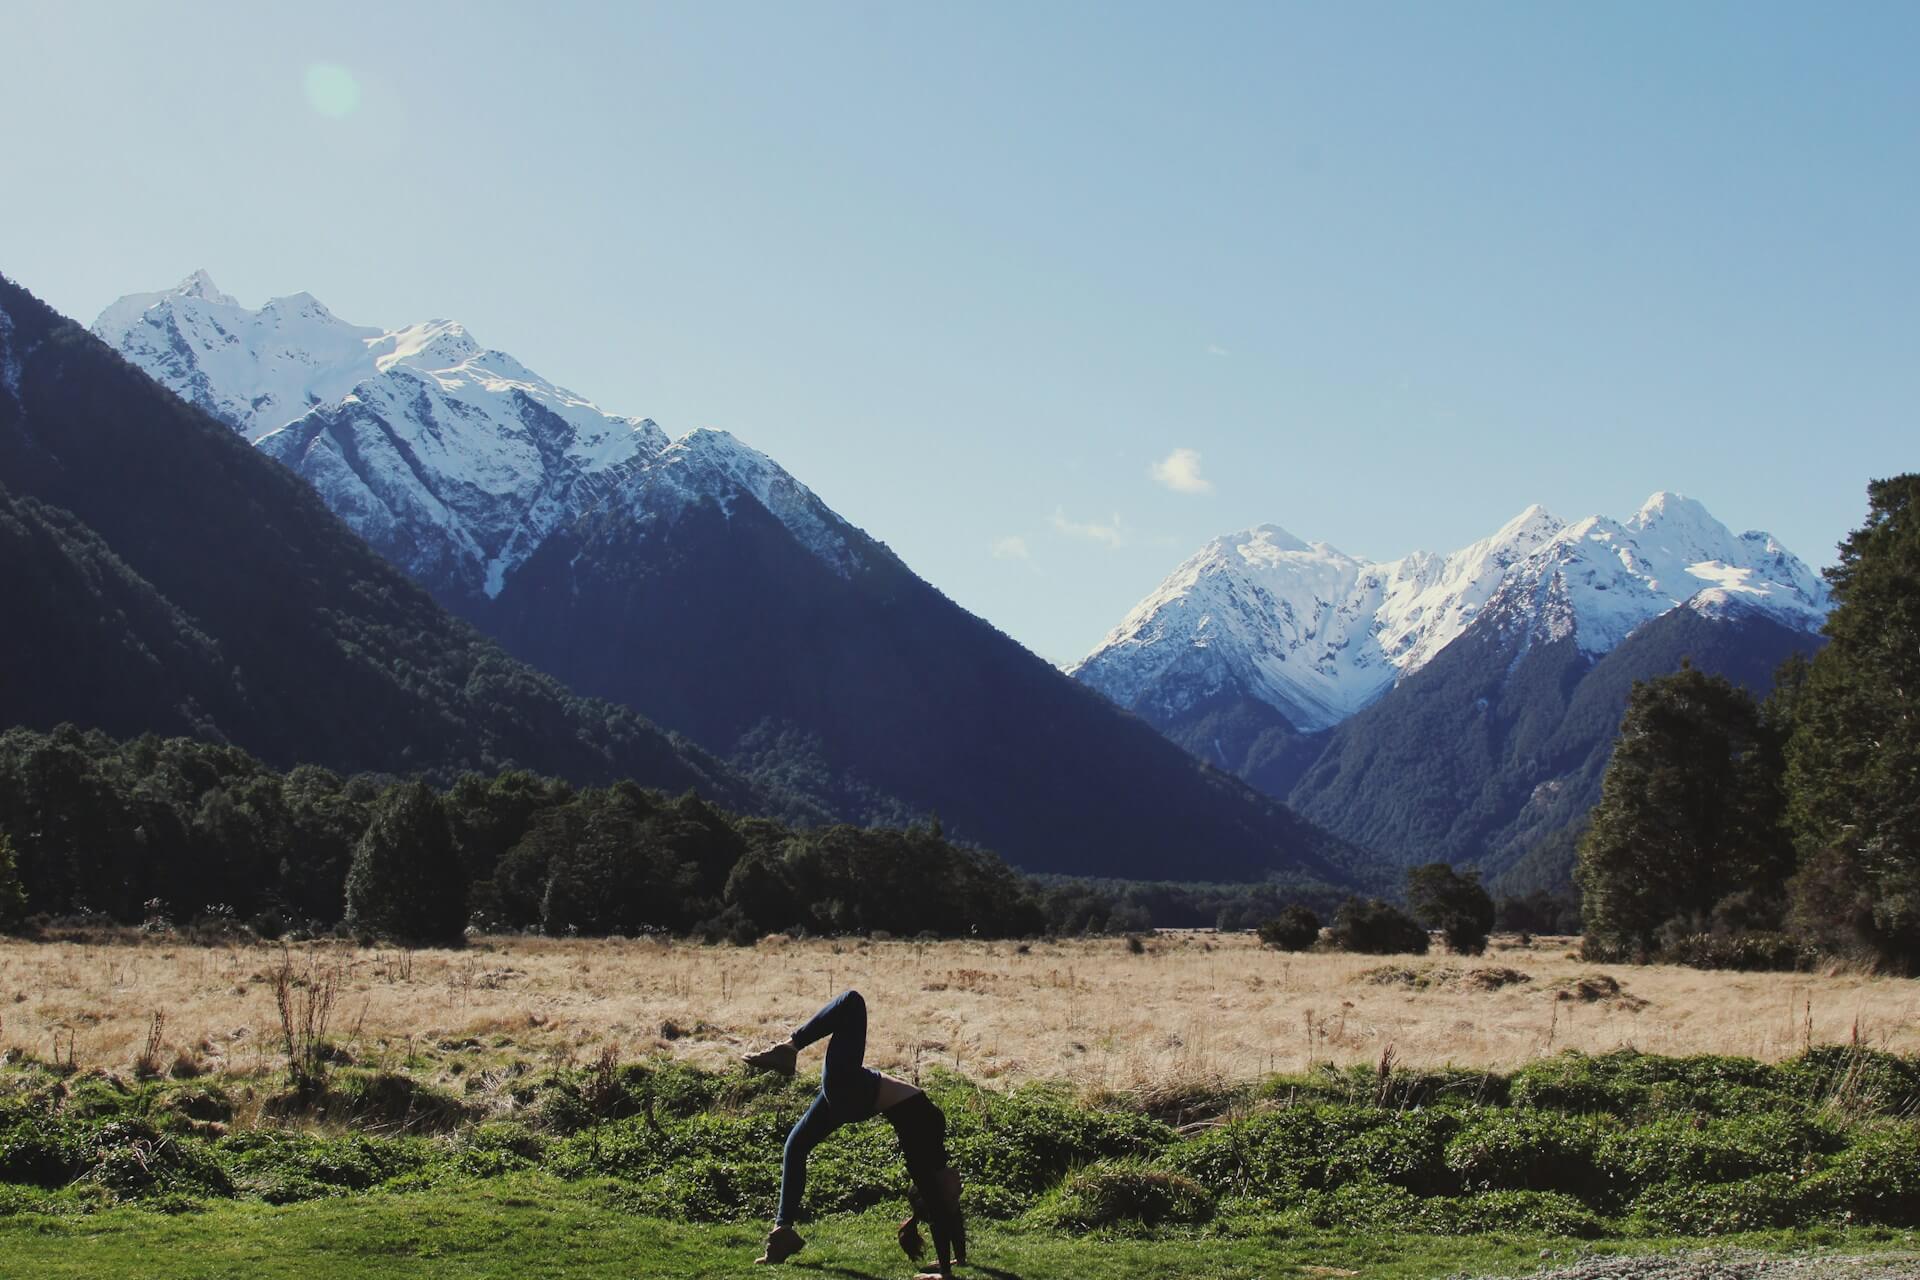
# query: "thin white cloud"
1215,349
1109,534
1180,472
1011,547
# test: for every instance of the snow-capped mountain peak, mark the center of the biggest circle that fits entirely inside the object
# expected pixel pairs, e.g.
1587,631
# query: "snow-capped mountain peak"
454,460
437,344
1601,578
200,285
1318,635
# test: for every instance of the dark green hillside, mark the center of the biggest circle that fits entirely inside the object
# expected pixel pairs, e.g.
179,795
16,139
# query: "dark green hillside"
85,622
162,575
890,681
1248,739
1490,757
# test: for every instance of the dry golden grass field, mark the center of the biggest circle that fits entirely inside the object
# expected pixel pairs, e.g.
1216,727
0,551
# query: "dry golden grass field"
1191,1006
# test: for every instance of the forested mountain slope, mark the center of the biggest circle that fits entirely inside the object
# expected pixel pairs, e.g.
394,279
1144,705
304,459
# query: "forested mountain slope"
165,576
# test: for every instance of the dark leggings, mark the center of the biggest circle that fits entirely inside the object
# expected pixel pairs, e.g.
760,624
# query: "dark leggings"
848,1090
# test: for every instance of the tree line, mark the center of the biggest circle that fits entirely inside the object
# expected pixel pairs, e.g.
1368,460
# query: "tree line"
1733,832
93,829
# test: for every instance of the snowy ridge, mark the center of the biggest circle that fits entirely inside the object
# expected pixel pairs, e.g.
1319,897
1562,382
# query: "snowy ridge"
1601,578
455,461
1318,635
707,463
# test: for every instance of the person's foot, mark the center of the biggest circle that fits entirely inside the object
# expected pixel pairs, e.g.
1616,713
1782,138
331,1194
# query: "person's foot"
782,1243
777,1058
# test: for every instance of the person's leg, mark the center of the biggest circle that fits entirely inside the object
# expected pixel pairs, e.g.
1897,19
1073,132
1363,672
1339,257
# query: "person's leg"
845,1012
844,1019
815,1125
842,1023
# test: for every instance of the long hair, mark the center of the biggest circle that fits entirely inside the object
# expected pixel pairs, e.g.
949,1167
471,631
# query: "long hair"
939,1208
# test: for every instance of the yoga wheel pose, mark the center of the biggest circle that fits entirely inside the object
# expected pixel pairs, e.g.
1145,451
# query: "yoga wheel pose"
851,1091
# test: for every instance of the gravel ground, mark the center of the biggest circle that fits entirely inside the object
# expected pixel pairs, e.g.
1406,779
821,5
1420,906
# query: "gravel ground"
1741,1265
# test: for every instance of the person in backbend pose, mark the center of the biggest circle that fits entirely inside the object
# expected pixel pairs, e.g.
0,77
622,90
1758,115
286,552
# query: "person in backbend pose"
852,1091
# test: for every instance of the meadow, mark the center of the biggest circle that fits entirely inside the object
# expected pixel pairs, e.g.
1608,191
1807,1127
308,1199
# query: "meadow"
1094,1012
1180,1104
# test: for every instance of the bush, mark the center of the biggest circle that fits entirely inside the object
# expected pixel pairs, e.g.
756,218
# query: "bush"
1530,1151
1710,1209
1275,1156
1027,1140
1124,1193
132,1160
1372,927
1875,1179
1545,1213
1444,899
1627,1083
1296,928
1854,1081
1679,1149
1746,949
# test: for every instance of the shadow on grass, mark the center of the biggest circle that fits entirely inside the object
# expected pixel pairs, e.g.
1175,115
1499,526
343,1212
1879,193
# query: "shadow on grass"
829,1269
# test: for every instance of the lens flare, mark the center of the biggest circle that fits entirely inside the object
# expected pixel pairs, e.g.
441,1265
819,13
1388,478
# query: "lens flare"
332,90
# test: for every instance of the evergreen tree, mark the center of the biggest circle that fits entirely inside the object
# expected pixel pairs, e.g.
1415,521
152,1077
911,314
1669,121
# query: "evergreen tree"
1689,814
13,894
1853,762
1444,899
1373,927
1296,928
406,881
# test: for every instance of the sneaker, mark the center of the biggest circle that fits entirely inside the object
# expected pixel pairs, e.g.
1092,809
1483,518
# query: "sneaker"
779,1059
782,1243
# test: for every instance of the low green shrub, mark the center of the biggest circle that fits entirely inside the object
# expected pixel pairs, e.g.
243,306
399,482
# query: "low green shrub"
1702,1151
1876,1179
1408,1150
1517,1150
132,1159
1854,1080
1122,1194
489,1150
1027,1140
42,1150
1628,1083
1366,1205
282,1166
1545,1213
1721,1208
1275,1156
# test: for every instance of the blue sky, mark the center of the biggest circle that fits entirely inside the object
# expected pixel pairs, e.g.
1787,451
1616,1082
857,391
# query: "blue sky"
1045,296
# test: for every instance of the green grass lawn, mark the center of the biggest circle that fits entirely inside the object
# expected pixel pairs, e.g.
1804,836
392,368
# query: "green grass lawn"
534,1225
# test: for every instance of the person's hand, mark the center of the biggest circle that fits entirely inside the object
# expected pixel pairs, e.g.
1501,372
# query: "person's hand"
910,1242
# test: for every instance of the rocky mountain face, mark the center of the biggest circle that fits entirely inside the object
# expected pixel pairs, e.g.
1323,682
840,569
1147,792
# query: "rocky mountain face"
1450,706
697,580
